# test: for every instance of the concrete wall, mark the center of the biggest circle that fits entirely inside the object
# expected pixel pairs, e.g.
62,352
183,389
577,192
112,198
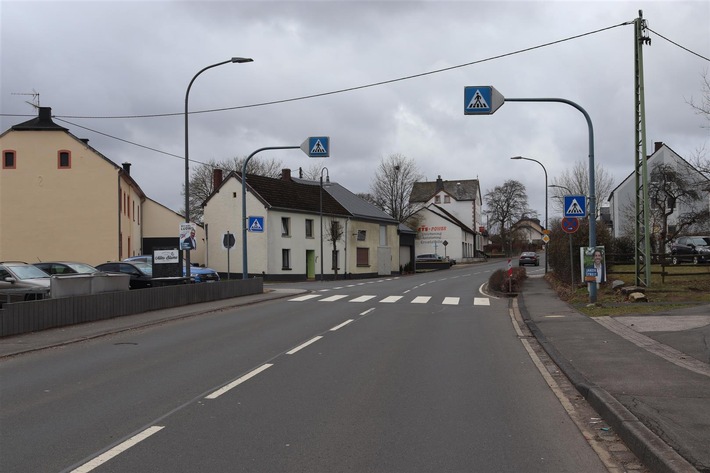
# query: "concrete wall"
32,316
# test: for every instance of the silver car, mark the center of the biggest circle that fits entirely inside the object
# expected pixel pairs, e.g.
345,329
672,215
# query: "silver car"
19,277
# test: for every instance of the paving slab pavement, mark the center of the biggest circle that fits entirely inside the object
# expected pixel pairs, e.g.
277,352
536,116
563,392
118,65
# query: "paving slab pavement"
652,385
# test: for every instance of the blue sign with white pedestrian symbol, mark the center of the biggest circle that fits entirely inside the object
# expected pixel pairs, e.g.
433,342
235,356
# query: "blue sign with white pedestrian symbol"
575,206
256,224
316,146
481,100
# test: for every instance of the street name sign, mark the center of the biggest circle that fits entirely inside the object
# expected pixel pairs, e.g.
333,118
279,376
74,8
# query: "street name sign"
481,100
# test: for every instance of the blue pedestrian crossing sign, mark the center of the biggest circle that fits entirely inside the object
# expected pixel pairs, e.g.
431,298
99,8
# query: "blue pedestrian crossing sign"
481,100
256,224
316,146
575,206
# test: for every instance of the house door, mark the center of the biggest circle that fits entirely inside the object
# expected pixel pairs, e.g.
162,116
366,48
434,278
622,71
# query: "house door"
311,264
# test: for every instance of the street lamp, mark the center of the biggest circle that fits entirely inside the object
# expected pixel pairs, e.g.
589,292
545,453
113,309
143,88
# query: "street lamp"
543,168
327,177
187,149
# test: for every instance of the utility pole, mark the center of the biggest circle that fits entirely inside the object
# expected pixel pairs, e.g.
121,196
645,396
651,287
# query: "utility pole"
642,250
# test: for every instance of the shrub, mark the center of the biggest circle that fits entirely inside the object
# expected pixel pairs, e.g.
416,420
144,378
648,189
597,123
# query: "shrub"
500,282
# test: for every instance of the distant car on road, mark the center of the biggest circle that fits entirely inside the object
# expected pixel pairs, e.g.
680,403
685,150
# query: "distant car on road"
58,268
695,249
529,257
197,273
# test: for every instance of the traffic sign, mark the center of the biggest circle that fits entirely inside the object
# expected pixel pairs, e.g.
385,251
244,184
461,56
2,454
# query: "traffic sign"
546,238
575,206
481,100
570,224
228,240
256,224
316,146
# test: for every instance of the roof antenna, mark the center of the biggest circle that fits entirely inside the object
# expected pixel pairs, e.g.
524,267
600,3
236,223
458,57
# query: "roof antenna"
35,98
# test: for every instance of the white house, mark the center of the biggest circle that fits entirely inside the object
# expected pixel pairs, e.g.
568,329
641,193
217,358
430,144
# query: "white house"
455,205
308,231
444,234
622,200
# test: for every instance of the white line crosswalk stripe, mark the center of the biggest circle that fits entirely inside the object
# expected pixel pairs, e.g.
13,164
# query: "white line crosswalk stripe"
333,298
362,299
451,300
304,298
481,301
391,299
421,299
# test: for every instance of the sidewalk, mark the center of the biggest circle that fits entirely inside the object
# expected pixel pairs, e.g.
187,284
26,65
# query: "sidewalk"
647,375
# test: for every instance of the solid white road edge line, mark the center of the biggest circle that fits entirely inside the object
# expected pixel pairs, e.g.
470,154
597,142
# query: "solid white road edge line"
118,449
237,382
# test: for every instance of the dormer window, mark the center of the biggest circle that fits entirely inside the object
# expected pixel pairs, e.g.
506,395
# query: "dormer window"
437,199
64,159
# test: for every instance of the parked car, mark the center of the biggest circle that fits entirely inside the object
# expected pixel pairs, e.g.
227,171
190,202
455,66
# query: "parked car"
197,273
691,248
20,275
429,257
528,257
58,268
141,274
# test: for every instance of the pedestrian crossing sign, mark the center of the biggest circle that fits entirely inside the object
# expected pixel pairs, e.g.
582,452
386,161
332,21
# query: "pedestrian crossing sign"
316,146
256,224
575,206
481,100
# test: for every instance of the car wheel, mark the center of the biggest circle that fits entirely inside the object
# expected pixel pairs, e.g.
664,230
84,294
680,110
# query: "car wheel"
696,260
675,260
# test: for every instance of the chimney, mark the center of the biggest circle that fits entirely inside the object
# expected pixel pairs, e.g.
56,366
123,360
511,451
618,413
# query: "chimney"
216,178
127,168
285,174
657,145
45,113
439,184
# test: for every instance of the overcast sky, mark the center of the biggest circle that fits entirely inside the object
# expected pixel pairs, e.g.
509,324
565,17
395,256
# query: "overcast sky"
94,61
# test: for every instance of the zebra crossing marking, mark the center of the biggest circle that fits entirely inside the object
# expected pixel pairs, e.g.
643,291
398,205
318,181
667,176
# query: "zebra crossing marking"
391,299
304,298
421,299
477,301
451,300
362,299
481,301
337,297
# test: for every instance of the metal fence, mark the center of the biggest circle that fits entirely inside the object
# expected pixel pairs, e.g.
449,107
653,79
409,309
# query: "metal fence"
32,316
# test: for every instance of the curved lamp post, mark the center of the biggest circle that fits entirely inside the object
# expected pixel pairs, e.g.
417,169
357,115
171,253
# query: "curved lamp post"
543,168
187,149
327,177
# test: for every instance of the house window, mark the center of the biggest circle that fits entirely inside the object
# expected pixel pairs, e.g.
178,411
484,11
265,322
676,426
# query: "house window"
363,257
447,199
383,235
437,199
134,210
64,159
285,226
335,254
309,228
8,159
285,259
361,235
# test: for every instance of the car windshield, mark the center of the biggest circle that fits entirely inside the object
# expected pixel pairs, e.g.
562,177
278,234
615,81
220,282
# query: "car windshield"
28,271
147,268
82,268
528,254
700,241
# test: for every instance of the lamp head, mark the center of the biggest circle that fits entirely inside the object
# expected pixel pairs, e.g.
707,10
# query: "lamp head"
517,157
242,59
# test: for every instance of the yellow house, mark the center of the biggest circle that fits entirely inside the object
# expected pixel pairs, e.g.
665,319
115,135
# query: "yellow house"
60,199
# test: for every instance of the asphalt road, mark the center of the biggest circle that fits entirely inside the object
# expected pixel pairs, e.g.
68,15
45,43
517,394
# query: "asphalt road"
426,375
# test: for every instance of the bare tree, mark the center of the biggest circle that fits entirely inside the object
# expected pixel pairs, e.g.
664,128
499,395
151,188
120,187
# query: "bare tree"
393,183
506,205
577,181
676,191
202,179
333,233
700,160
